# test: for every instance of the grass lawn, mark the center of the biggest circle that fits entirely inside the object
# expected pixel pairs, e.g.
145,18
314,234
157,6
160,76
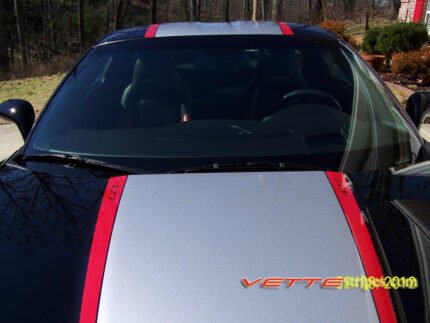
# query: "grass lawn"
353,28
357,29
36,90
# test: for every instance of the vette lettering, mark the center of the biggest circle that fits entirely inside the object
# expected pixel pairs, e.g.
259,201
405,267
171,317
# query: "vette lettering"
276,282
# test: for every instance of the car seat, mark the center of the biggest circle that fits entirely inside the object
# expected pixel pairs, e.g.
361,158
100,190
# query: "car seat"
156,96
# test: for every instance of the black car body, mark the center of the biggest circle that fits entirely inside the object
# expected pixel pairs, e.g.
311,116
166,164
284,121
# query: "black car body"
170,152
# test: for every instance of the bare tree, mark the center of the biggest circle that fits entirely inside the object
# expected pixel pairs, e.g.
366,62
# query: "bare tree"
349,6
263,9
117,13
4,58
81,22
254,10
246,10
120,11
276,10
395,7
317,11
20,34
195,9
48,27
198,10
154,11
167,10
227,10
37,30
185,6
107,19
26,30
369,8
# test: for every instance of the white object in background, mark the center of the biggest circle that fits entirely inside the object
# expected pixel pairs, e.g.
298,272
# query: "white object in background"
425,131
10,140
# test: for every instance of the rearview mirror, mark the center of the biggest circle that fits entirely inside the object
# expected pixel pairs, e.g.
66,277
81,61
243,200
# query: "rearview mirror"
20,112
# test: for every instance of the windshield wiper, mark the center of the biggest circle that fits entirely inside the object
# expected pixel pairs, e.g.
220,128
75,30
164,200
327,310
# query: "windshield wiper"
78,161
247,166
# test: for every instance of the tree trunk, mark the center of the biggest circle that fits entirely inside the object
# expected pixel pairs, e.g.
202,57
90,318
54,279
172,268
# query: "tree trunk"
227,10
81,23
26,31
154,11
198,10
263,9
349,7
20,35
254,10
395,7
124,12
51,26
366,20
117,14
12,51
193,10
120,11
185,5
107,20
276,10
317,11
4,57
167,10
246,10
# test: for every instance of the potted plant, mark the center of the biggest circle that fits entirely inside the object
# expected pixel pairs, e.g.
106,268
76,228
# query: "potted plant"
381,43
401,37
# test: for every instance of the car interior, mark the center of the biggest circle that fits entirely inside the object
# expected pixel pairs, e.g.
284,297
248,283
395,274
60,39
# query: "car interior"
197,102
240,86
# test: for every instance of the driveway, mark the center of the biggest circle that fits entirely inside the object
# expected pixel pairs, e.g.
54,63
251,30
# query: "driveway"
10,140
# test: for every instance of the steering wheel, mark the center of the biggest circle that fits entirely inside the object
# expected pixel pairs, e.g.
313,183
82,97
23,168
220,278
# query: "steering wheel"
305,93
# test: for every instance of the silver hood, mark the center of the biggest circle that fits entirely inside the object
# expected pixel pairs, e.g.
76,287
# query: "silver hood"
181,245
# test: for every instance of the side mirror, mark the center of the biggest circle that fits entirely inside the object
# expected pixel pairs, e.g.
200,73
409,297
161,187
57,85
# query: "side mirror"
418,107
20,112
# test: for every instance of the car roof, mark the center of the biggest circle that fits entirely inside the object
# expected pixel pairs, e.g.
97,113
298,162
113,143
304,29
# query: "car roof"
238,28
208,29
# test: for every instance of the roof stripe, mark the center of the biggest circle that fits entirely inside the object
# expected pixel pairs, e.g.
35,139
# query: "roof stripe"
151,31
218,29
364,243
286,29
99,249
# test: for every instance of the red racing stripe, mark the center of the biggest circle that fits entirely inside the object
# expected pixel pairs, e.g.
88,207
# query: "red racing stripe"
99,249
364,243
286,29
152,31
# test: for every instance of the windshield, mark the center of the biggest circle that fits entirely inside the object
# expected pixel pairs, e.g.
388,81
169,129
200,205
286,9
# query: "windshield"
170,103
